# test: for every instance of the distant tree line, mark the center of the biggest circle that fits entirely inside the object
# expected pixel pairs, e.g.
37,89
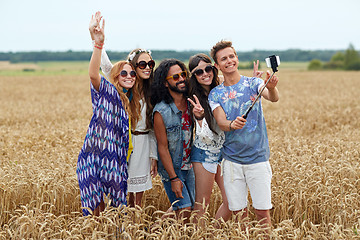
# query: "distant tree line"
348,60
291,55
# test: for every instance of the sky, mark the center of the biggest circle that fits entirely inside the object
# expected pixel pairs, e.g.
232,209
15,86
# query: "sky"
48,25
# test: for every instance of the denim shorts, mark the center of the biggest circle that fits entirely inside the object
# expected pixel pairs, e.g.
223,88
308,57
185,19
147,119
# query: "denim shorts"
187,178
200,155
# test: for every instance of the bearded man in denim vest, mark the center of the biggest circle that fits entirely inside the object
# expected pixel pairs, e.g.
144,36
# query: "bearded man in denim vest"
173,130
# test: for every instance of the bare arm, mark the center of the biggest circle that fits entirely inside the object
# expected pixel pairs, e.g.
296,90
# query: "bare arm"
271,93
153,154
105,64
97,33
164,154
227,125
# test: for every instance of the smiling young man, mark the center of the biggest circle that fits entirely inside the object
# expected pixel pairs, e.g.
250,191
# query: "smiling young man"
173,130
246,149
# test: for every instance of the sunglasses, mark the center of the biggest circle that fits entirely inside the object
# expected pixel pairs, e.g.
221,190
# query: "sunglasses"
143,64
207,69
124,73
177,76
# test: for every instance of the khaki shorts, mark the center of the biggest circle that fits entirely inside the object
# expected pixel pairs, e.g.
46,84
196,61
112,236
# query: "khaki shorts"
238,178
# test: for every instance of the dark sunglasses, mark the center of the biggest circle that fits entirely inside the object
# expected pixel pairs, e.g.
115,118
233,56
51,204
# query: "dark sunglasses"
207,69
124,73
177,76
142,64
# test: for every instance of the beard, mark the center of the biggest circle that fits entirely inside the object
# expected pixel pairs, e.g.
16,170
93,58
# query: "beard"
177,89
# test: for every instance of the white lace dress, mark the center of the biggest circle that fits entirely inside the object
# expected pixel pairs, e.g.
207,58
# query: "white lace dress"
144,144
140,160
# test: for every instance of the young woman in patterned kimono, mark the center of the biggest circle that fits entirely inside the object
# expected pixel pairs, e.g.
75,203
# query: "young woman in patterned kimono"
142,164
102,162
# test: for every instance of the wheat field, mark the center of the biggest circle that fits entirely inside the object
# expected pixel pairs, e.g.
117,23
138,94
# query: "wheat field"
314,136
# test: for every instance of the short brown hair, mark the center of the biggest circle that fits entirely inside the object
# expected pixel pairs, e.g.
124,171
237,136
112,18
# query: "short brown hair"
219,46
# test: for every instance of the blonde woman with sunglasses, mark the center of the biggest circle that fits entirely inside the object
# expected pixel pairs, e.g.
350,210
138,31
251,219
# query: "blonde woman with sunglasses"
142,164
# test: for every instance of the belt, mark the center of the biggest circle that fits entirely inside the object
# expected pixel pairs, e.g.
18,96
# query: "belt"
139,133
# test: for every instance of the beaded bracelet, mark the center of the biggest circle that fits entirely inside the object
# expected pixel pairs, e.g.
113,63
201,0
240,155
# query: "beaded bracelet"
98,45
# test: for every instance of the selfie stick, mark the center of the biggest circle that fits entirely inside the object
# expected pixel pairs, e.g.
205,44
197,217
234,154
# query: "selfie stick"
273,62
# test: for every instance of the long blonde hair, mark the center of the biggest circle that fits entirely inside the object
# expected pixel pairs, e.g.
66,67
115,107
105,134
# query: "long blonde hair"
132,107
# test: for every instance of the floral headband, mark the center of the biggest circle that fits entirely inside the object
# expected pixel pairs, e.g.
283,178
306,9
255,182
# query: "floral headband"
131,56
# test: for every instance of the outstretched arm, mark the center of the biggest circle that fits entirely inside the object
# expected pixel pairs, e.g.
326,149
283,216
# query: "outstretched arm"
97,33
227,125
105,64
271,93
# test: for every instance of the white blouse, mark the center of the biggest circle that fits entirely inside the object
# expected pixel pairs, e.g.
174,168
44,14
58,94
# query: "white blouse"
206,139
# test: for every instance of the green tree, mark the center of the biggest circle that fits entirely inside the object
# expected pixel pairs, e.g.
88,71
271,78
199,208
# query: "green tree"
315,64
351,58
338,57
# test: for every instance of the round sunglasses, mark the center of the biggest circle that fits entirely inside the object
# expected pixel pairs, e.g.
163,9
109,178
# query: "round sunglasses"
200,72
124,73
177,76
143,64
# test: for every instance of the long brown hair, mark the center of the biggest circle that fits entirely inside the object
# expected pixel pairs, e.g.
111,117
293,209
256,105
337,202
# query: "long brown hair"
132,107
201,93
144,85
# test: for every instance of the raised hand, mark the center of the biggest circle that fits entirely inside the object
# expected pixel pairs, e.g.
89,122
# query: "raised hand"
198,110
97,31
95,21
273,81
256,72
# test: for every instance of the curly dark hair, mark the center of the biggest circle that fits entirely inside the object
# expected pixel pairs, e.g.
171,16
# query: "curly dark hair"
201,93
159,92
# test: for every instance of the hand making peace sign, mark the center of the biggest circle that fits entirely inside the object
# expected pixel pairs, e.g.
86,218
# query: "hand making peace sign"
198,110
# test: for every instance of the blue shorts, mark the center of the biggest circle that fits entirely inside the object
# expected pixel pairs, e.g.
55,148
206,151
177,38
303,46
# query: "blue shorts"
187,178
200,155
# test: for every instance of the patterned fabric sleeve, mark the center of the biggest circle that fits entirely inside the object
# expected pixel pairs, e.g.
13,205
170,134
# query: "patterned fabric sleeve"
102,166
256,84
96,94
213,101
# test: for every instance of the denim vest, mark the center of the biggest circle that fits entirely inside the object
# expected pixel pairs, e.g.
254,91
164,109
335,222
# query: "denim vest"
171,116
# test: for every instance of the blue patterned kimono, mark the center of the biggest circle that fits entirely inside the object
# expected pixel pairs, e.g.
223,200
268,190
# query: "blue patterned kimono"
102,166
